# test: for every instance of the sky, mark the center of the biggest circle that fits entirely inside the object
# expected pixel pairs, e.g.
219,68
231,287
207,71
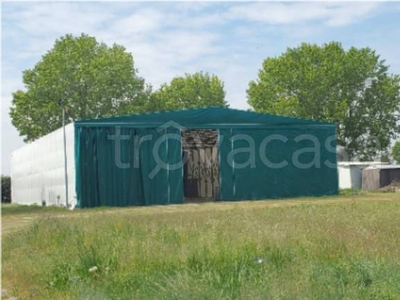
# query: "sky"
168,39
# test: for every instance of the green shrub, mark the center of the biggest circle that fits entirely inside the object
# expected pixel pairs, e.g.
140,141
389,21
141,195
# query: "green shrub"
5,189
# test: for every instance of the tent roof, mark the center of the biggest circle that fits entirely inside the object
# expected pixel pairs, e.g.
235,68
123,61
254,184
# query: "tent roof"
212,117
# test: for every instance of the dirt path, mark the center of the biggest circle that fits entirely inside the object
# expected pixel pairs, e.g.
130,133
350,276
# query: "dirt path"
11,223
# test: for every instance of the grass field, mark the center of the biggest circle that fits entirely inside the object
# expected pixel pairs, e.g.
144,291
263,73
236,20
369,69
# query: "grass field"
345,247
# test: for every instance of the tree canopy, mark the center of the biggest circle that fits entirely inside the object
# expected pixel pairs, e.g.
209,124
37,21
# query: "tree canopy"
396,152
352,88
190,91
89,78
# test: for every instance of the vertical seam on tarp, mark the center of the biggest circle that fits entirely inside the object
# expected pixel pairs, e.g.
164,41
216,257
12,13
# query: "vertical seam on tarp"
168,178
182,166
77,168
233,166
219,163
96,153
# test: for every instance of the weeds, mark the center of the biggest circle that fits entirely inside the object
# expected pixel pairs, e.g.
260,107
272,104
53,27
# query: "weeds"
334,251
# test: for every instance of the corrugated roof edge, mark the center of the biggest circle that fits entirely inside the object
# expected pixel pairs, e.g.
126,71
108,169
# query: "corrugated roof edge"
383,167
204,108
283,116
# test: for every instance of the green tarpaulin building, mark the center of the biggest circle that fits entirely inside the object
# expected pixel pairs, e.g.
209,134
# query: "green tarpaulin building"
207,153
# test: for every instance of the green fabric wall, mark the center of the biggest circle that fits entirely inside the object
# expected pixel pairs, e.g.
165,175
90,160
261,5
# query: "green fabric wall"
100,182
262,180
103,182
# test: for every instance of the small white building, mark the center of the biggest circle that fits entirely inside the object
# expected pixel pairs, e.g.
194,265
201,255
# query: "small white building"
350,173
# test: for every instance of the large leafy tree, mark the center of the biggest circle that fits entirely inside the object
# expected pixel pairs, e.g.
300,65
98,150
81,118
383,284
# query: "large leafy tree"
190,91
352,88
396,152
89,78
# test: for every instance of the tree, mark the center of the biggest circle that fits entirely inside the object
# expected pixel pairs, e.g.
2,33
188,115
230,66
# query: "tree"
352,88
89,78
5,189
190,91
396,152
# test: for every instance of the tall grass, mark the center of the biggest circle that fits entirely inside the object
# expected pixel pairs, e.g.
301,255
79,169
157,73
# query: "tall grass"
333,251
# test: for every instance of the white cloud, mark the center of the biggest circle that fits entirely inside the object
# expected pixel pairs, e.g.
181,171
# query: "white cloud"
341,15
294,13
44,19
141,21
164,55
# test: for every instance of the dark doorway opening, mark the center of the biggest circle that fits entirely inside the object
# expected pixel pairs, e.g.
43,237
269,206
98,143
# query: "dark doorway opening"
201,165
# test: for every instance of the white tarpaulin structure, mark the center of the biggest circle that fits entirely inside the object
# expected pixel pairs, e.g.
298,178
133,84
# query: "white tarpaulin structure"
37,170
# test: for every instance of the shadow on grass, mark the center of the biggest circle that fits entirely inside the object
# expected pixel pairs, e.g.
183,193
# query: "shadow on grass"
16,209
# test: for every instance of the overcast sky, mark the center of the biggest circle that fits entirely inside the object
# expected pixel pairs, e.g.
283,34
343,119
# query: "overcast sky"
169,39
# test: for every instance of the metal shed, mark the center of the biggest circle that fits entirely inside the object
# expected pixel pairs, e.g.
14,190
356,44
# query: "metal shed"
142,159
376,177
350,173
